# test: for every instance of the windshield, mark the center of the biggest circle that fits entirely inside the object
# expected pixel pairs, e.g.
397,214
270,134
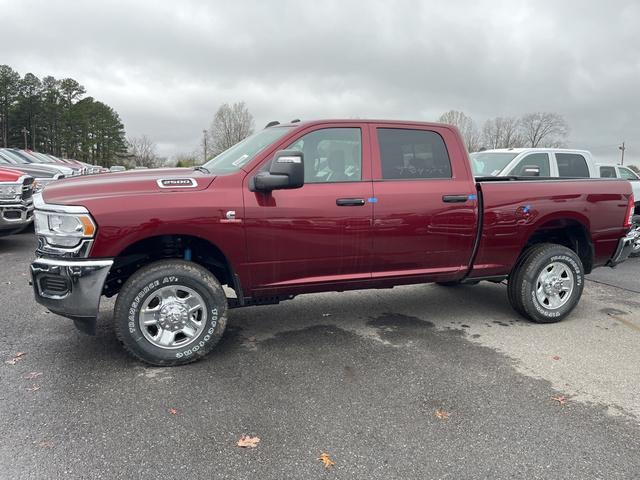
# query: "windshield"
14,156
485,164
234,158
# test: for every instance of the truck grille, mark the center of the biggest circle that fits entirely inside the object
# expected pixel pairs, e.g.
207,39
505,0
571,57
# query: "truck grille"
27,189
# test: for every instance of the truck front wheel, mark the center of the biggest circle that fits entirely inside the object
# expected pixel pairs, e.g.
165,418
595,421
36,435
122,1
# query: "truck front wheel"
546,285
171,312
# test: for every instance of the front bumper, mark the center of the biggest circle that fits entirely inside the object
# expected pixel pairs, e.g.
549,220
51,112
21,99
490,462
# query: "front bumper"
15,216
625,247
71,288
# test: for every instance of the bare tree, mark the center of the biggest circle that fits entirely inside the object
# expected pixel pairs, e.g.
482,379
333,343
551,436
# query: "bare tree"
635,169
502,132
142,151
544,129
231,124
466,126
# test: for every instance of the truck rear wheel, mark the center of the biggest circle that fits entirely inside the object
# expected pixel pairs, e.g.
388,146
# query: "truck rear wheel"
546,283
171,312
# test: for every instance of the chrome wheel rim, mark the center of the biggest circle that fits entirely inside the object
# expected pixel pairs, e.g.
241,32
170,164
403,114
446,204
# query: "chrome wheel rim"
555,285
172,317
636,243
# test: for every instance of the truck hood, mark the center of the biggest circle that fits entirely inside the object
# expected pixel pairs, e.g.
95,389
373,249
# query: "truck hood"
74,191
10,175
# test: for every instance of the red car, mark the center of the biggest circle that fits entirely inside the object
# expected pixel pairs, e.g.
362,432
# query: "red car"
16,202
312,207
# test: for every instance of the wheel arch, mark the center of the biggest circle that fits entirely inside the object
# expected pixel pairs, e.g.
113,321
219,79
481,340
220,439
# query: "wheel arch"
570,231
186,247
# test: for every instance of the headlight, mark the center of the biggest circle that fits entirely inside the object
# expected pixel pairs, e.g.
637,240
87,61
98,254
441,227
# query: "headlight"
64,229
10,191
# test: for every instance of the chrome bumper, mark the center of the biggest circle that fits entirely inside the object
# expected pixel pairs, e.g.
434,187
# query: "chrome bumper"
625,247
71,288
16,215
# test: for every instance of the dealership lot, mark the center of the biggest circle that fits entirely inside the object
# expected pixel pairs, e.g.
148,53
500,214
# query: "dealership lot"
358,375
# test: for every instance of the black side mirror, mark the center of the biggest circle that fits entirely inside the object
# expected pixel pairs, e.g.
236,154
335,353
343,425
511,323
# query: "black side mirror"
531,171
287,171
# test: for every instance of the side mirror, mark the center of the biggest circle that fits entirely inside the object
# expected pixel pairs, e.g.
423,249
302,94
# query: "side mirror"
286,171
531,171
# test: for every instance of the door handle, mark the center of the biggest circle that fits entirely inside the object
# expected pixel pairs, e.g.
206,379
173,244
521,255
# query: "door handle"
455,198
350,202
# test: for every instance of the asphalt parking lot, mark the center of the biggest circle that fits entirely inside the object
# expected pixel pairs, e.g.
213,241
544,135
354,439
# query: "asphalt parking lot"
414,382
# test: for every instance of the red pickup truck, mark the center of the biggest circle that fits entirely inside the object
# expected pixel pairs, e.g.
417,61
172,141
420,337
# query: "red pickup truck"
310,207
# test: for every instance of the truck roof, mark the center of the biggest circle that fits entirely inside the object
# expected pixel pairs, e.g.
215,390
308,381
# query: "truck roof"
531,149
308,123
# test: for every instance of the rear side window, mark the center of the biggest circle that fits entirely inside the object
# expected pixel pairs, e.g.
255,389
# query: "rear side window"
627,174
540,160
412,154
607,172
572,165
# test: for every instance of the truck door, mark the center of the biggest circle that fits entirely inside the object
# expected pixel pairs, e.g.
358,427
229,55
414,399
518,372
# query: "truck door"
425,210
321,232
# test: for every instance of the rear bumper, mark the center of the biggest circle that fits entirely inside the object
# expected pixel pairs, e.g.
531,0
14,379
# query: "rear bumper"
15,216
71,288
625,247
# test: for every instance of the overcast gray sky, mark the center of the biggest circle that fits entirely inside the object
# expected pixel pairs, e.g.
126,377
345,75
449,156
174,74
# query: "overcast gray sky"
165,66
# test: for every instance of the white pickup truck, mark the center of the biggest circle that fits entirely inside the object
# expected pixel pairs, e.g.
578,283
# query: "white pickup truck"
534,162
620,171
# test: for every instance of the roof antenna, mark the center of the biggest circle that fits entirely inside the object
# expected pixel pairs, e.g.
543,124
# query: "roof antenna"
295,120
272,124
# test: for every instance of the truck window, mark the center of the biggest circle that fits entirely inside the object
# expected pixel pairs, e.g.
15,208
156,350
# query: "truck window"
572,165
608,172
627,174
411,154
331,155
540,160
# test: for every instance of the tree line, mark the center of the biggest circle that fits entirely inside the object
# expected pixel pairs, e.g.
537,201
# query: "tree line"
539,129
54,116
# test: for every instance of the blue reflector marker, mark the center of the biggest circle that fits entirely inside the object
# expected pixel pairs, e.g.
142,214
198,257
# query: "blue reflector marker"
373,200
473,197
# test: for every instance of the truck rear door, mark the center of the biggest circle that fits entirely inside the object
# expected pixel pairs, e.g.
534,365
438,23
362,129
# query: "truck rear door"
426,210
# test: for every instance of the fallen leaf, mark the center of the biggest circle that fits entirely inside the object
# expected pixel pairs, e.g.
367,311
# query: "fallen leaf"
15,359
248,442
46,444
441,414
561,399
251,339
172,411
326,460
556,357
32,375
33,388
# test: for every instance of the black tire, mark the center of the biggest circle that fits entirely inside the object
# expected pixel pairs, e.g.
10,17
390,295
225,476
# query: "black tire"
636,224
523,282
147,282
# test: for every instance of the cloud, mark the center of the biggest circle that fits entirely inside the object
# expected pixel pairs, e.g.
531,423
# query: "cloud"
167,66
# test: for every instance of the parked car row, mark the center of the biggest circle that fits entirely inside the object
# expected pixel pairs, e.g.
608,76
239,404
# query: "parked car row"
24,172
